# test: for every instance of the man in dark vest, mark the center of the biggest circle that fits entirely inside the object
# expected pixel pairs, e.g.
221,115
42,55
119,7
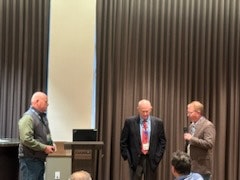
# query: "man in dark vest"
35,139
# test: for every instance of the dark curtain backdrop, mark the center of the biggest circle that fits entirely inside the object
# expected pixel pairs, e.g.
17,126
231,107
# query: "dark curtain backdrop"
24,26
170,52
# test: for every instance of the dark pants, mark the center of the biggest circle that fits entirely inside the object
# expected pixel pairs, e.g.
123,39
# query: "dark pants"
31,169
143,170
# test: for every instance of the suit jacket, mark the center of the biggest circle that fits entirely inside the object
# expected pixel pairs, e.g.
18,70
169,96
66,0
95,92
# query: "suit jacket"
130,143
201,146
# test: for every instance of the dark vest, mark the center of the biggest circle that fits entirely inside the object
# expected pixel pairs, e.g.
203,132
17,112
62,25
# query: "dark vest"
41,132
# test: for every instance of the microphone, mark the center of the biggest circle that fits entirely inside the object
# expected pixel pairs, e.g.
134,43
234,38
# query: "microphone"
185,129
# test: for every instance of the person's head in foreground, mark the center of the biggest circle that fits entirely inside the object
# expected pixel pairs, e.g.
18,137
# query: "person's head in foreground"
181,167
80,175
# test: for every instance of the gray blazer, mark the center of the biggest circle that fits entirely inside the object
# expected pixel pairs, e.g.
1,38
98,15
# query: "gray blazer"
201,146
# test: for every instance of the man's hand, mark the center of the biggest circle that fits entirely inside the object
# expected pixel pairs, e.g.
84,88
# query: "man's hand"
49,149
187,136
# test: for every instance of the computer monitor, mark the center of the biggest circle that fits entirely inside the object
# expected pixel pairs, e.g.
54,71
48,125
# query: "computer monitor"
84,134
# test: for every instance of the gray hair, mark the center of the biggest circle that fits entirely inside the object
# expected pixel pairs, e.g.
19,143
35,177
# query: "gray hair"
80,175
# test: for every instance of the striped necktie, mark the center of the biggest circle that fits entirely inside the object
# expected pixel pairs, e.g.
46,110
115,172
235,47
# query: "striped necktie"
145,144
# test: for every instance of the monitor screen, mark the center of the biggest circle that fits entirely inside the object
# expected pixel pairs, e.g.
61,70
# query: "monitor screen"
84,134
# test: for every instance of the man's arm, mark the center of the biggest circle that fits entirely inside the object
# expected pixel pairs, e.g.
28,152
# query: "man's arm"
208,138
124,141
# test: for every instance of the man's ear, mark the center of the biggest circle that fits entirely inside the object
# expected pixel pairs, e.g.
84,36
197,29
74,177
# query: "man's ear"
173,170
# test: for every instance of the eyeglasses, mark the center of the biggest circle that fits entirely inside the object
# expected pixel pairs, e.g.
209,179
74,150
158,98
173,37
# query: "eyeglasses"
190,113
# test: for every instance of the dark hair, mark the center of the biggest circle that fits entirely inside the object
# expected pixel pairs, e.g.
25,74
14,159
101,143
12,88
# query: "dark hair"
181,161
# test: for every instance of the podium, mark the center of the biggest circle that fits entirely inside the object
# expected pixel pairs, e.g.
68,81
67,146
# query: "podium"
9,164
84,155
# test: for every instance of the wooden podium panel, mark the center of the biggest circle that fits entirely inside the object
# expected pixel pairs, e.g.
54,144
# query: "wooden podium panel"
84,155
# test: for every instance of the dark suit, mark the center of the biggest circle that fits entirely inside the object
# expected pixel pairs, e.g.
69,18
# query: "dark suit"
131,142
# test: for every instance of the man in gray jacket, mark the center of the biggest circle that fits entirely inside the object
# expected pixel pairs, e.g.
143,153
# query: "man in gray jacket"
201,139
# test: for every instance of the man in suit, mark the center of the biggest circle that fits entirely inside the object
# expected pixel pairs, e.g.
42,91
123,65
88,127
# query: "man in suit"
143,142
201,137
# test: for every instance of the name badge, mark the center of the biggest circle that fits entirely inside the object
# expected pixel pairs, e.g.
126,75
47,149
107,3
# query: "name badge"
146,146
49,139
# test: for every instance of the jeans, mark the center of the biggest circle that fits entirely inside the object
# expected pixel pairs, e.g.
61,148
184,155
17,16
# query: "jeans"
31,169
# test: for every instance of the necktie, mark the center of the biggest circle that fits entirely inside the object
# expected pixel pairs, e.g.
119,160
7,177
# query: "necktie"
193,129
145,144
42,118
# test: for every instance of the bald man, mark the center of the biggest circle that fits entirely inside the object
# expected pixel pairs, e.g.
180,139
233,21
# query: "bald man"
143,142
35,139
80,175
